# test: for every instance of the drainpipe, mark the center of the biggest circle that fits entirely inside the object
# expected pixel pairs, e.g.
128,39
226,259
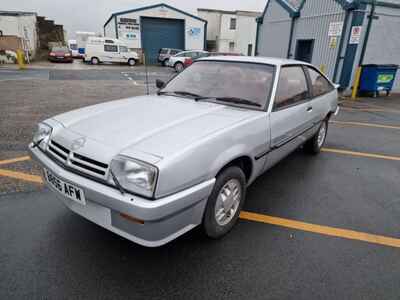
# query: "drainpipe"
288,55
364,47
341,43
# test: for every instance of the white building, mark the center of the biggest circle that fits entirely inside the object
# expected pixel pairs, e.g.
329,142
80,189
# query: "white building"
158,26
20,24
230,31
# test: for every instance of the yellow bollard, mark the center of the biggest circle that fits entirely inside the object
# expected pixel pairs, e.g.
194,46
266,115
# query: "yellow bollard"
21,59
356,83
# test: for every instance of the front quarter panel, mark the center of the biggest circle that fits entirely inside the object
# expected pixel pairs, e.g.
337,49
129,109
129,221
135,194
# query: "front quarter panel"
203,159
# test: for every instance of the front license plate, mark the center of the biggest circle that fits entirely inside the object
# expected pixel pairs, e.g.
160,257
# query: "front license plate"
60,57
68,190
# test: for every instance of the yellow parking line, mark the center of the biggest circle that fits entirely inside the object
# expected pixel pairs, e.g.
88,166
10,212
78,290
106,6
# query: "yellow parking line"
14,160
325,230
395,111
365,124
361,154
21,176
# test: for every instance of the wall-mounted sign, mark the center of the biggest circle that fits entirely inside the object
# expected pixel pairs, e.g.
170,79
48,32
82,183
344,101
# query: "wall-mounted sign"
335,29
333,42
194,32
355,35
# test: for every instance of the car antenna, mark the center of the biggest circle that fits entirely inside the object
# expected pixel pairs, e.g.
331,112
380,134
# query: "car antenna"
147,74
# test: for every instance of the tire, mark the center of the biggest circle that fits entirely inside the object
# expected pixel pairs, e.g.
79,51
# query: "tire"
179,67
230,177
131,62
94,61
315,144
164,63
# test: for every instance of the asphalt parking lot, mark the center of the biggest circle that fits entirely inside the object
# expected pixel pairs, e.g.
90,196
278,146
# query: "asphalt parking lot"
324,227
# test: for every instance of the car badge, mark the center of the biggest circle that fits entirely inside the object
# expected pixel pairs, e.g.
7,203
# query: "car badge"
78,143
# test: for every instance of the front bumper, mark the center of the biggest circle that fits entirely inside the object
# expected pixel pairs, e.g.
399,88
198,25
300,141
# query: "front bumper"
162,220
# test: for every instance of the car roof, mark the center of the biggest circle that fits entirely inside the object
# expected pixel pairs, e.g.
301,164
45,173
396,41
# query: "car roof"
256,59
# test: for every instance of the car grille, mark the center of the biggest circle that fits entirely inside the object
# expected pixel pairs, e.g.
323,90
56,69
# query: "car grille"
77,161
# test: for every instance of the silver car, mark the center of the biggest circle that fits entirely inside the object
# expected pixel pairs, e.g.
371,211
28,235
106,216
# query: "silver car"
151,168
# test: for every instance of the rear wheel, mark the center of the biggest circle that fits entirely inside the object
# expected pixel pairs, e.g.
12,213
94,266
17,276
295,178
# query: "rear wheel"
179,67
225,202
94,61
315,144
131,62
164,63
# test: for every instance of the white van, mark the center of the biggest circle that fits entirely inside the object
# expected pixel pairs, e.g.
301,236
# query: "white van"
73,47
99,50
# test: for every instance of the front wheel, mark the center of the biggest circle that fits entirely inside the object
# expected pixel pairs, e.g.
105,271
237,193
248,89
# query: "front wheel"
131,62
315,144
225,203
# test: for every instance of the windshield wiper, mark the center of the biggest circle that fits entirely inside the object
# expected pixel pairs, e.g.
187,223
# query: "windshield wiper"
235,100
181,93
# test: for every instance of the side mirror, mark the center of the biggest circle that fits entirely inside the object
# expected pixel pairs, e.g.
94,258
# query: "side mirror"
159,83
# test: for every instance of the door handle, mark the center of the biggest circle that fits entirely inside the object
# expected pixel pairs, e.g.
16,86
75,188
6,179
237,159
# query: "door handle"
309,109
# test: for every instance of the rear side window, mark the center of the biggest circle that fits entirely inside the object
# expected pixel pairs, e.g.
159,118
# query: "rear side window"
173,52
110,48
319,84
292,87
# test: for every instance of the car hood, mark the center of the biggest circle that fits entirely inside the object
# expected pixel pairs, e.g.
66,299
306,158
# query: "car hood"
157,125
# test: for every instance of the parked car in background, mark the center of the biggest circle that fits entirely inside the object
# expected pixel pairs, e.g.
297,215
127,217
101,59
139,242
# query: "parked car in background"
60,54
165,53
189,61
185,58
153,167
100,50
73,47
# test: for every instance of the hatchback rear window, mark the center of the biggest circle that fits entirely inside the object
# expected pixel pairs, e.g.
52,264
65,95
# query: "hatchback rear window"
163,51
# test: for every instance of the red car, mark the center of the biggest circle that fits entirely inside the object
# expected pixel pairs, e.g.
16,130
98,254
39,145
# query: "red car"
60,54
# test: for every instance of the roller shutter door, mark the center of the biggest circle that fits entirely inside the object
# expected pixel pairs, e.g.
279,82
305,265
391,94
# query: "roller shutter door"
160,33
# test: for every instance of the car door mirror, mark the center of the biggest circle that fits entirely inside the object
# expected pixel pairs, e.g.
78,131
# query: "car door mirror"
160,84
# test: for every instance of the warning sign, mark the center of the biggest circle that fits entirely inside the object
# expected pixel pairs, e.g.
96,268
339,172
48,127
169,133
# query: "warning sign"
355,35
333,42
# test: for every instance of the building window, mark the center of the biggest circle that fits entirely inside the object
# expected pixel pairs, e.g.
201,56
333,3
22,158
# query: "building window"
232,25
231,46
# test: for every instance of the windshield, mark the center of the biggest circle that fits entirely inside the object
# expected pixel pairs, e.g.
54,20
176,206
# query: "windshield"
225,82
73,46
60,49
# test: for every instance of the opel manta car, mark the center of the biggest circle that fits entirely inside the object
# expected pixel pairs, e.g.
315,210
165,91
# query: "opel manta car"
151,168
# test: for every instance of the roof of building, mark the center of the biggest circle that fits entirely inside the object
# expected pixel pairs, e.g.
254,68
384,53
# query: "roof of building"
16,13
232,12
294,7
151,7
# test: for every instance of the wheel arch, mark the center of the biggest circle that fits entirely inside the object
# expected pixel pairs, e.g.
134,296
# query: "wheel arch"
243,162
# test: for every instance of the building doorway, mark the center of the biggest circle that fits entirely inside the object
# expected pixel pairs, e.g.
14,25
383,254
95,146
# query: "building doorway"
304,50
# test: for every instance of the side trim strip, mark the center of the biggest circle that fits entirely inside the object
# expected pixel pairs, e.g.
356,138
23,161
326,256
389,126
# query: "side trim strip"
275,147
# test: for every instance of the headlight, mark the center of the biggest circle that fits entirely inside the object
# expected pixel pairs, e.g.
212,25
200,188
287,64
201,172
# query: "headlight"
42,135
134,175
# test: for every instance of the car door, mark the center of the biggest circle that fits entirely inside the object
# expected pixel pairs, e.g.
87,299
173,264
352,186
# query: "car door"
290,118
321,91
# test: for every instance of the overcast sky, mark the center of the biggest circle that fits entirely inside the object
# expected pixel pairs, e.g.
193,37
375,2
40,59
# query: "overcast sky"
90,15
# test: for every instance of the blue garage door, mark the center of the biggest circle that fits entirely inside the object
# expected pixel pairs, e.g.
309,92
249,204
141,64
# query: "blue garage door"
160,33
